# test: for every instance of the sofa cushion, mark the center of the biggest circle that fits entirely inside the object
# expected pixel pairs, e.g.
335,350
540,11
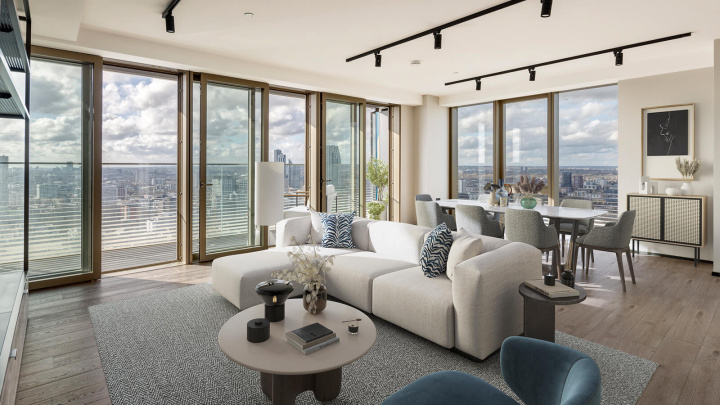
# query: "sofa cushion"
435,250
360,233
464,247
235,277
397,240
419,304
316,228
352,275
337,230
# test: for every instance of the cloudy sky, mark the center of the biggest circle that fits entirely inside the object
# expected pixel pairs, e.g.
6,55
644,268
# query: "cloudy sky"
287,126
588,130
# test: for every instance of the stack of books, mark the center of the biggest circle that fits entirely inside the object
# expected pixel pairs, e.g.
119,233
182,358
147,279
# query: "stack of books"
311,338
552,291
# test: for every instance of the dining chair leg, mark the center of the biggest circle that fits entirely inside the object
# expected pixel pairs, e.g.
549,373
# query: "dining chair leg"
592,256
630,265
620,267
574,257
562,239
583,257
555,264
586,264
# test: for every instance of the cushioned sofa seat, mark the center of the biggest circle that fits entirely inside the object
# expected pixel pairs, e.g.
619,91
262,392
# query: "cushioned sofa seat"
352,275
233,274
419,304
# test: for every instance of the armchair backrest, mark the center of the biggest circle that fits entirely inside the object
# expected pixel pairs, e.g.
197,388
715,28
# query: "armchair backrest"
423,197
625,224
428,213
474,219
544,373
576,203
527,226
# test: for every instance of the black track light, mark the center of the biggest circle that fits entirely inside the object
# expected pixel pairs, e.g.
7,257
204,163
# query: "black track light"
478,84
170,24
618,57
532,74
546,8
438,39
378,59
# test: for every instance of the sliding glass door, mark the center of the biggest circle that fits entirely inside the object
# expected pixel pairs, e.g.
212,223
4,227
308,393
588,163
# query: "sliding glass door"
377,146
232,128
342,154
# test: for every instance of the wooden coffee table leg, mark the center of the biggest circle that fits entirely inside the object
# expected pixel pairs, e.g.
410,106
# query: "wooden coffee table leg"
283,389
327,385
539,320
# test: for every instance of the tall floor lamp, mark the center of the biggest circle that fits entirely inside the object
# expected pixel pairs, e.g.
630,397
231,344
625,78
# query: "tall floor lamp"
269,194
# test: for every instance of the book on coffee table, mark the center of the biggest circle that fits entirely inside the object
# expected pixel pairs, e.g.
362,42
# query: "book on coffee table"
552,291
311,338
315,346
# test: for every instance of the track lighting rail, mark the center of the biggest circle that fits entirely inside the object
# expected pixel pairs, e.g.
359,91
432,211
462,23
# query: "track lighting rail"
437,29
615,50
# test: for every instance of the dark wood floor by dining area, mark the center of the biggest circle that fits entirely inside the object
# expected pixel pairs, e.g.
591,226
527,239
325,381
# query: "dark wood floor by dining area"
671,317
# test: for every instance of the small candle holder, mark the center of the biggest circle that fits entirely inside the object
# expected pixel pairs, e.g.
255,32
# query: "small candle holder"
353,326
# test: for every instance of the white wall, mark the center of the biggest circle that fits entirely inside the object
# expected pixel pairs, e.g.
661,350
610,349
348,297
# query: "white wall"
425,162
694,86
408,153
716,206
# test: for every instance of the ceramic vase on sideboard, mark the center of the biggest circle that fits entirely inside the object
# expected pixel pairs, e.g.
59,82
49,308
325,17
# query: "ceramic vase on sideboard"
686,188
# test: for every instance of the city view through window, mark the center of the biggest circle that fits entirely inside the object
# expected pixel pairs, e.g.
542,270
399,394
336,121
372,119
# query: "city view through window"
288,145
587,146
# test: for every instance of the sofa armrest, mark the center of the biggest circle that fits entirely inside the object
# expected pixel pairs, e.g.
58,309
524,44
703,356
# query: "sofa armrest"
488,306
287,229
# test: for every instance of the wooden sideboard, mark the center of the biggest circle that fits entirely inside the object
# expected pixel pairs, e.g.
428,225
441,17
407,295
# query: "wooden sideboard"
675,220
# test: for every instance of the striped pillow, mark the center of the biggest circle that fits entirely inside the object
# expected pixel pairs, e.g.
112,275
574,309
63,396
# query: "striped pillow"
435,251
337,230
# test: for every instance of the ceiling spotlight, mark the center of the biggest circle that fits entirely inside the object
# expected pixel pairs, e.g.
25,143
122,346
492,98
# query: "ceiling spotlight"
249,15
618,57
478,84
532,74
546,8
170,24
378,59
438,39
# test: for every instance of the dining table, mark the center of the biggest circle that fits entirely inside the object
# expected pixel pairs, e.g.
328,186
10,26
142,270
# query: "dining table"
575,215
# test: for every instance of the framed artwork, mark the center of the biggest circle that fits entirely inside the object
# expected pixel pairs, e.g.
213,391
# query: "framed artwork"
667,133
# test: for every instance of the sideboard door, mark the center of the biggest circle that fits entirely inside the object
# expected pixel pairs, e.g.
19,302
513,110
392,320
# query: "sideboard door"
648,217
683,221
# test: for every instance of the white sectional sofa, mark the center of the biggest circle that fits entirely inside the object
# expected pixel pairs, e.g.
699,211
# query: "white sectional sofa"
474,313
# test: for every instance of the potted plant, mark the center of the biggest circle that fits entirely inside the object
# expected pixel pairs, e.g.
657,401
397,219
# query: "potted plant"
527,189
378,174
308,268
687,169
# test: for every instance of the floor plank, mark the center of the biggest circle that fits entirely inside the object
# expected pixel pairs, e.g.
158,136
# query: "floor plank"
671,316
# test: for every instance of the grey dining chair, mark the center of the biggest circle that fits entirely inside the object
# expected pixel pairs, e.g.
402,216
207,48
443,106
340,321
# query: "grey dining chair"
430,215
584,225
613,237
474,219
527,226
423,197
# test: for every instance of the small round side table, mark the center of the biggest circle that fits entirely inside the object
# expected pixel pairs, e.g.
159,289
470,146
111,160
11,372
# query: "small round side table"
539,312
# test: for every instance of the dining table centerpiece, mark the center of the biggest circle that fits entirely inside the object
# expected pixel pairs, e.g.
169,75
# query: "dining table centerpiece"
308,267
527,188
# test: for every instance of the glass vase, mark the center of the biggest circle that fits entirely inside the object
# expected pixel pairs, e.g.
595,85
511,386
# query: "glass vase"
315,298
528,203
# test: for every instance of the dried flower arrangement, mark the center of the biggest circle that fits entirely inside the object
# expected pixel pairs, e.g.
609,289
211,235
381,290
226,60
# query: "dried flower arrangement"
527,188
307,267
687,168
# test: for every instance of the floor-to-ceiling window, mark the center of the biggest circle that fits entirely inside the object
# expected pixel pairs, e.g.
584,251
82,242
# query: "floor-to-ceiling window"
140,168
588,147
525,134
60,169
288,144
473,139
377,146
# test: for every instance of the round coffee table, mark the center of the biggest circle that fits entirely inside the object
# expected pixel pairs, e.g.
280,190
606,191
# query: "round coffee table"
285,372
539,312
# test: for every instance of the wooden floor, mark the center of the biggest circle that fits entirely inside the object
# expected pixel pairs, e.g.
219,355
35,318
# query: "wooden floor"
671,317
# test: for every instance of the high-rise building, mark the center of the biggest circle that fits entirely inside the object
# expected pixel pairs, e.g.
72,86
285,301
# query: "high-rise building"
4,192
578,182
566,180
333,164
47,191
279,156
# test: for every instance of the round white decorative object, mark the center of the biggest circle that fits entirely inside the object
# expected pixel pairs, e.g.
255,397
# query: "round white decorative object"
672,191
686,188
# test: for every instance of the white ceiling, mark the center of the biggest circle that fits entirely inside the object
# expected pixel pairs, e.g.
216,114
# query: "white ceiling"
305,44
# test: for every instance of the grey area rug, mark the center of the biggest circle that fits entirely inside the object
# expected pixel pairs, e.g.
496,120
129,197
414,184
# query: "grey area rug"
162,349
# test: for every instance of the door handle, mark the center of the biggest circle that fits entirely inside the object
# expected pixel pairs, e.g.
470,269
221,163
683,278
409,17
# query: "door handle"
203,184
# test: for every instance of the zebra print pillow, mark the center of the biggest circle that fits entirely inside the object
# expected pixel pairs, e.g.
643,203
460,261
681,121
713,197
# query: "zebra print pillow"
435,251
337,230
